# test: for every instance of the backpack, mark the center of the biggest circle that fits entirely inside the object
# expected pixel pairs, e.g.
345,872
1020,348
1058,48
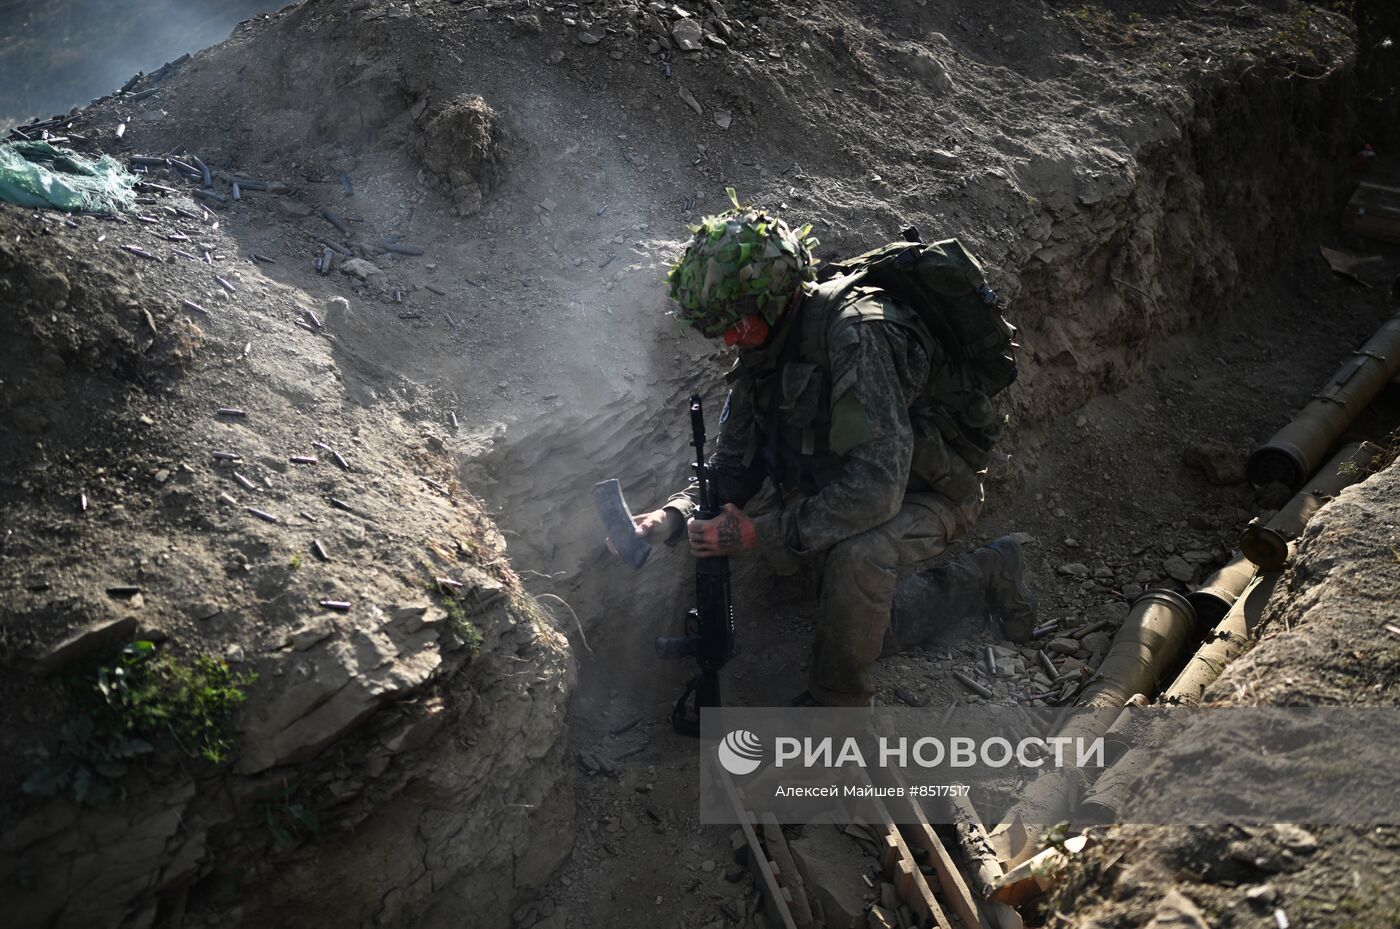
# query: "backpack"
945,286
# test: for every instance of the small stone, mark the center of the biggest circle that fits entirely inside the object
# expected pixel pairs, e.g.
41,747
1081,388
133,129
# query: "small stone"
1063,645
1295,838
1096,642
707,865
162,475
1196,556
1071,542
942,158
687,35
1177,567
1074,569
1262,894
1132,591
1217,462
1103,572
360,268
1081,422
723,118
589,37
556,56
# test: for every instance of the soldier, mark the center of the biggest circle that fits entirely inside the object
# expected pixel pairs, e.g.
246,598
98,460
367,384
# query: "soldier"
845,402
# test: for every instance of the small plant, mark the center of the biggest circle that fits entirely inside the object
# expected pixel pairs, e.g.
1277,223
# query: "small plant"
128,701
289,822
88,763
296,560
150,692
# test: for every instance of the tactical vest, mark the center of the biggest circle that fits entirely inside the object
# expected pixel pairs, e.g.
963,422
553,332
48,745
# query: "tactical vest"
815,428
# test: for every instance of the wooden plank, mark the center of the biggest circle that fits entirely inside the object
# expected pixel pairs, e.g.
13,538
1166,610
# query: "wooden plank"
758,859
902,869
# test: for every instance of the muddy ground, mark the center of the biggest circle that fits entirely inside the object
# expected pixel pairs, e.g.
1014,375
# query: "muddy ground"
1148,189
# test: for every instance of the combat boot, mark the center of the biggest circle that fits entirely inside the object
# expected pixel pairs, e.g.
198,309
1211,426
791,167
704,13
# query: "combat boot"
1009,597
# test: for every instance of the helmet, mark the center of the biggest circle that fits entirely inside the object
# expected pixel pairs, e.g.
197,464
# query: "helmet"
739,263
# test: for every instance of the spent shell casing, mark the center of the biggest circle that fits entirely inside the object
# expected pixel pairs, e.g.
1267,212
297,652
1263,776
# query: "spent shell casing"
225,498
345,465
211,195
260,514
449,582
437,290
991,661
185,254
1047,665
140,252
237,194
972,685
263,259
335,221
340,606
124,590
244,482
83,502
320,550
227,456
191,305
400,248
340,504
453,417
314,319
225,284
304,459
231,411
304,326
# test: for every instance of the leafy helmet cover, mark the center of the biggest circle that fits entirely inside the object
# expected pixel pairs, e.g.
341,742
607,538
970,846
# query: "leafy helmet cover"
740,262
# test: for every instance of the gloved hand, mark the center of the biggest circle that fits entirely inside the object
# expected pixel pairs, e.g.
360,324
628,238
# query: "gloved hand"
729,533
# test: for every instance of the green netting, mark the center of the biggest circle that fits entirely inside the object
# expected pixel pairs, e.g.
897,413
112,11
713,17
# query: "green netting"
38,174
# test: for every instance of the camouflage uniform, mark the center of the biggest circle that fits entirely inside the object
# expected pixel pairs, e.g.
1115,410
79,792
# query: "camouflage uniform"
870,482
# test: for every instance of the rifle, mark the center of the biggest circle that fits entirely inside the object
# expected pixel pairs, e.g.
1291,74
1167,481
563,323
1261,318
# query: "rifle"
709,627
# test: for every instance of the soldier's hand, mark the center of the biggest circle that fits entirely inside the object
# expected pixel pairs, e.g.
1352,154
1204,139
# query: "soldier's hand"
657,526
729,533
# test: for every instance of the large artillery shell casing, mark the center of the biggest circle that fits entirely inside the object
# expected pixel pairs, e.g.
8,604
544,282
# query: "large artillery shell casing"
1267,545
1227,643
1295,450
1146,648
1220,591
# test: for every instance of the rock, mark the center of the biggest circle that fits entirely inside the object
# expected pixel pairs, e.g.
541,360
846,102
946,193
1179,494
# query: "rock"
1074,569
556,57
589,37
889,897
84,642
162,475
1196,556
1217,462
1096,641
708,865
1132,591
823,855
1177,567
1103,572
1062,645
1113,612
293,209
687,35
305,637
1262,895
339,684
723,118
1081,421
690,100
1295,838
360,268
1176,911
942,158
735,873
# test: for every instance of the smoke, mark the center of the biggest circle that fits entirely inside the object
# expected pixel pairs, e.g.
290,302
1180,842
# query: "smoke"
57,54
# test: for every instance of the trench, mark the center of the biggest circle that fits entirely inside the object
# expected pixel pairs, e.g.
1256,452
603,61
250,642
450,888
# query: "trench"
1169,297
1177,312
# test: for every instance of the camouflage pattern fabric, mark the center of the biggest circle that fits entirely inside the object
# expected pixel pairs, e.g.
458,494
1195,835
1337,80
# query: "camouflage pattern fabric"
738,263
850,499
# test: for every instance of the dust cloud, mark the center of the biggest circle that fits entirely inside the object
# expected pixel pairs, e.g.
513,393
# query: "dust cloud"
57,54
